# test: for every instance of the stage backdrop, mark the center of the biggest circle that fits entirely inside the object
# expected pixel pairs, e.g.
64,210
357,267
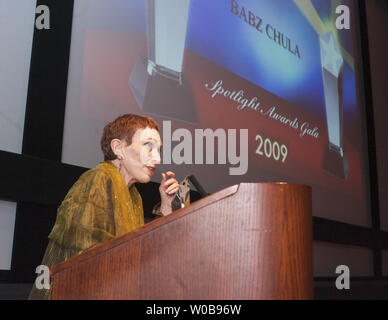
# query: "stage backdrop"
16,33
277,79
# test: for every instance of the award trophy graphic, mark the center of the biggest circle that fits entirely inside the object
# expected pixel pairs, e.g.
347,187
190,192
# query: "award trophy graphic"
157,81
335,160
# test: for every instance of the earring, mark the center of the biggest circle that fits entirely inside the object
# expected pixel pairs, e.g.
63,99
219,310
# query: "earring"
120,159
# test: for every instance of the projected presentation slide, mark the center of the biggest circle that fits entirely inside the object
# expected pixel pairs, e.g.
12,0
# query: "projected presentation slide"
243,90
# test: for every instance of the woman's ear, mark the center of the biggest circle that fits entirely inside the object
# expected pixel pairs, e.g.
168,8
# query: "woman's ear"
116,146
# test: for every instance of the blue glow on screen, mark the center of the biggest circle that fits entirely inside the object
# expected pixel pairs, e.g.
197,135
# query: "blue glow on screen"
323,8
220,36
349,89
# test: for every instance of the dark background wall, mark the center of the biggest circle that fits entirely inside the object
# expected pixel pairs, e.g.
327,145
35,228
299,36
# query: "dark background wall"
376,96
377,21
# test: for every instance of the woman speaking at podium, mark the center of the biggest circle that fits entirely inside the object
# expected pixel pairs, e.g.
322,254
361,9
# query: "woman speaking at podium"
104,203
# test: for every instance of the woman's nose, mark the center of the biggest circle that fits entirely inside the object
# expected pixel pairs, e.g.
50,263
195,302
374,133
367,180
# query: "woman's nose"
155,157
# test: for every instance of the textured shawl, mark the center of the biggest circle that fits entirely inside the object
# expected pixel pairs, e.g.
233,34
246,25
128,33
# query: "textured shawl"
98,208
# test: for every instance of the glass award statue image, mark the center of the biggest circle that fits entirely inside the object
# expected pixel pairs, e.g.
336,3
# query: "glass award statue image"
335,160
157,81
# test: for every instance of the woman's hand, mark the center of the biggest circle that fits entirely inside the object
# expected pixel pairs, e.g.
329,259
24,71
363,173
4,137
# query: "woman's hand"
168,188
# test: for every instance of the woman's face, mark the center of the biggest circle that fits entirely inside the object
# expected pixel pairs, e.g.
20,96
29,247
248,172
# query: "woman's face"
140,158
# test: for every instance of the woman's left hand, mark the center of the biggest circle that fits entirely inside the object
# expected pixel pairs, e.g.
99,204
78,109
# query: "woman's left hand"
168,188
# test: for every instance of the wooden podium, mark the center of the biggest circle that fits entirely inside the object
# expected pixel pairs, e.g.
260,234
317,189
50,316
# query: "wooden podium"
248,241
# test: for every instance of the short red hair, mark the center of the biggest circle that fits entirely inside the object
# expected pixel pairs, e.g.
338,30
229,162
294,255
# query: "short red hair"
124,127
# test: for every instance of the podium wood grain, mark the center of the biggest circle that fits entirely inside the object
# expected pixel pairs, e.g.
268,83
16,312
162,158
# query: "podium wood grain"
248,241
